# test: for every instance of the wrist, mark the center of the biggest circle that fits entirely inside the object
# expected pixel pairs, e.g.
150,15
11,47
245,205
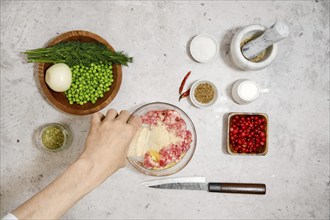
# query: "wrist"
92,173
83,170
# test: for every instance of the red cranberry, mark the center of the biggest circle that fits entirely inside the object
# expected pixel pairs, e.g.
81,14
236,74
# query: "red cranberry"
247,133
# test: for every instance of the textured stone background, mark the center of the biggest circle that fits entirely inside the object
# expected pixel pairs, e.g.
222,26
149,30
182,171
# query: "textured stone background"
296,169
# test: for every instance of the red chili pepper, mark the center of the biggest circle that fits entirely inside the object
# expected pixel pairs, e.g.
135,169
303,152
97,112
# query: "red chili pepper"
185,94
184,82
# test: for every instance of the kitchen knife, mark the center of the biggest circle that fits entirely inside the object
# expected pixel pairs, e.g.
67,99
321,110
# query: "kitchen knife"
198,183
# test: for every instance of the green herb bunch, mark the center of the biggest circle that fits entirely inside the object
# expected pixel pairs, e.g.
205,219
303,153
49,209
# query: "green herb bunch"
77,53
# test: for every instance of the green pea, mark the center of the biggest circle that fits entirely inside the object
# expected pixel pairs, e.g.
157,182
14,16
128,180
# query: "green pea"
89,82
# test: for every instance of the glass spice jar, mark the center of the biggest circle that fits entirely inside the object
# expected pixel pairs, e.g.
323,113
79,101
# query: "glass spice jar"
54,137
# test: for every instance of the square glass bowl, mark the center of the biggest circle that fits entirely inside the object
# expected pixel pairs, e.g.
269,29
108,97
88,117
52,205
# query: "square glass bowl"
247,134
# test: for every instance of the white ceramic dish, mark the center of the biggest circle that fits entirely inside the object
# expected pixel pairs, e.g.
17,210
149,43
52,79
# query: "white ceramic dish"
199,49
197,103
236,53
238,91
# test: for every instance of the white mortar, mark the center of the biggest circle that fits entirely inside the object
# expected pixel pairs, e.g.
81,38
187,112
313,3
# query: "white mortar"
237,56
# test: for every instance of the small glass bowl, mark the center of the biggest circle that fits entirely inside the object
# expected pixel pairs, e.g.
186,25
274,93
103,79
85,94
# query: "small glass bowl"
64,129
138,164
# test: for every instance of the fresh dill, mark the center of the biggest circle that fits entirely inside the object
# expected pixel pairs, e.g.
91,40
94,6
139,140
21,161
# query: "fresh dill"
77,53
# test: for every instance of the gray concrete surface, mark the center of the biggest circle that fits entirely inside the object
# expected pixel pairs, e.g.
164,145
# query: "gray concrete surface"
157,33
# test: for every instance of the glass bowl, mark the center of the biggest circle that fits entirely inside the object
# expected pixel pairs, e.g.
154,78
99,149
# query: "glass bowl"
138,164
64,129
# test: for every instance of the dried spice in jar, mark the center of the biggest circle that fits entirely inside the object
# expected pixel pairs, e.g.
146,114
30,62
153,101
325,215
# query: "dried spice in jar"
204,93
52,137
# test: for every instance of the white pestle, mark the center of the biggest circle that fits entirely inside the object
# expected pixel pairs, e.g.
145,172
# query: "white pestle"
272,35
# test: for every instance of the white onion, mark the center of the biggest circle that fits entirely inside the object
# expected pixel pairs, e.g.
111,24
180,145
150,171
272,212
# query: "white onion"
59,77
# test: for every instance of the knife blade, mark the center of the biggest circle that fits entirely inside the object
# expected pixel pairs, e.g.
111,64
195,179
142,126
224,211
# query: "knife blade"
192,183
198,183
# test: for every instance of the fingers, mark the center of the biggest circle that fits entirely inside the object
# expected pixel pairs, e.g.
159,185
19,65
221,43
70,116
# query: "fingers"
135,121
97,118
124,116
111,114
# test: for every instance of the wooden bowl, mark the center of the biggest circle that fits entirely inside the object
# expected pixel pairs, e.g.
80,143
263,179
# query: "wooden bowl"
58,98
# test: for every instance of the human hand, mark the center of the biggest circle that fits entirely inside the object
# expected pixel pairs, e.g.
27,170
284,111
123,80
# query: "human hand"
105,152
108,141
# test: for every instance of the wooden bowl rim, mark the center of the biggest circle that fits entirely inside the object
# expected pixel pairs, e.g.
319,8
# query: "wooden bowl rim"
58,104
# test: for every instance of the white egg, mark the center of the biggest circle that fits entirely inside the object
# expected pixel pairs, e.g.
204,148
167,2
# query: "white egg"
59,77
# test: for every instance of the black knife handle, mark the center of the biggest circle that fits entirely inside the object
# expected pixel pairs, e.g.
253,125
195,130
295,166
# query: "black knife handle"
245,188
